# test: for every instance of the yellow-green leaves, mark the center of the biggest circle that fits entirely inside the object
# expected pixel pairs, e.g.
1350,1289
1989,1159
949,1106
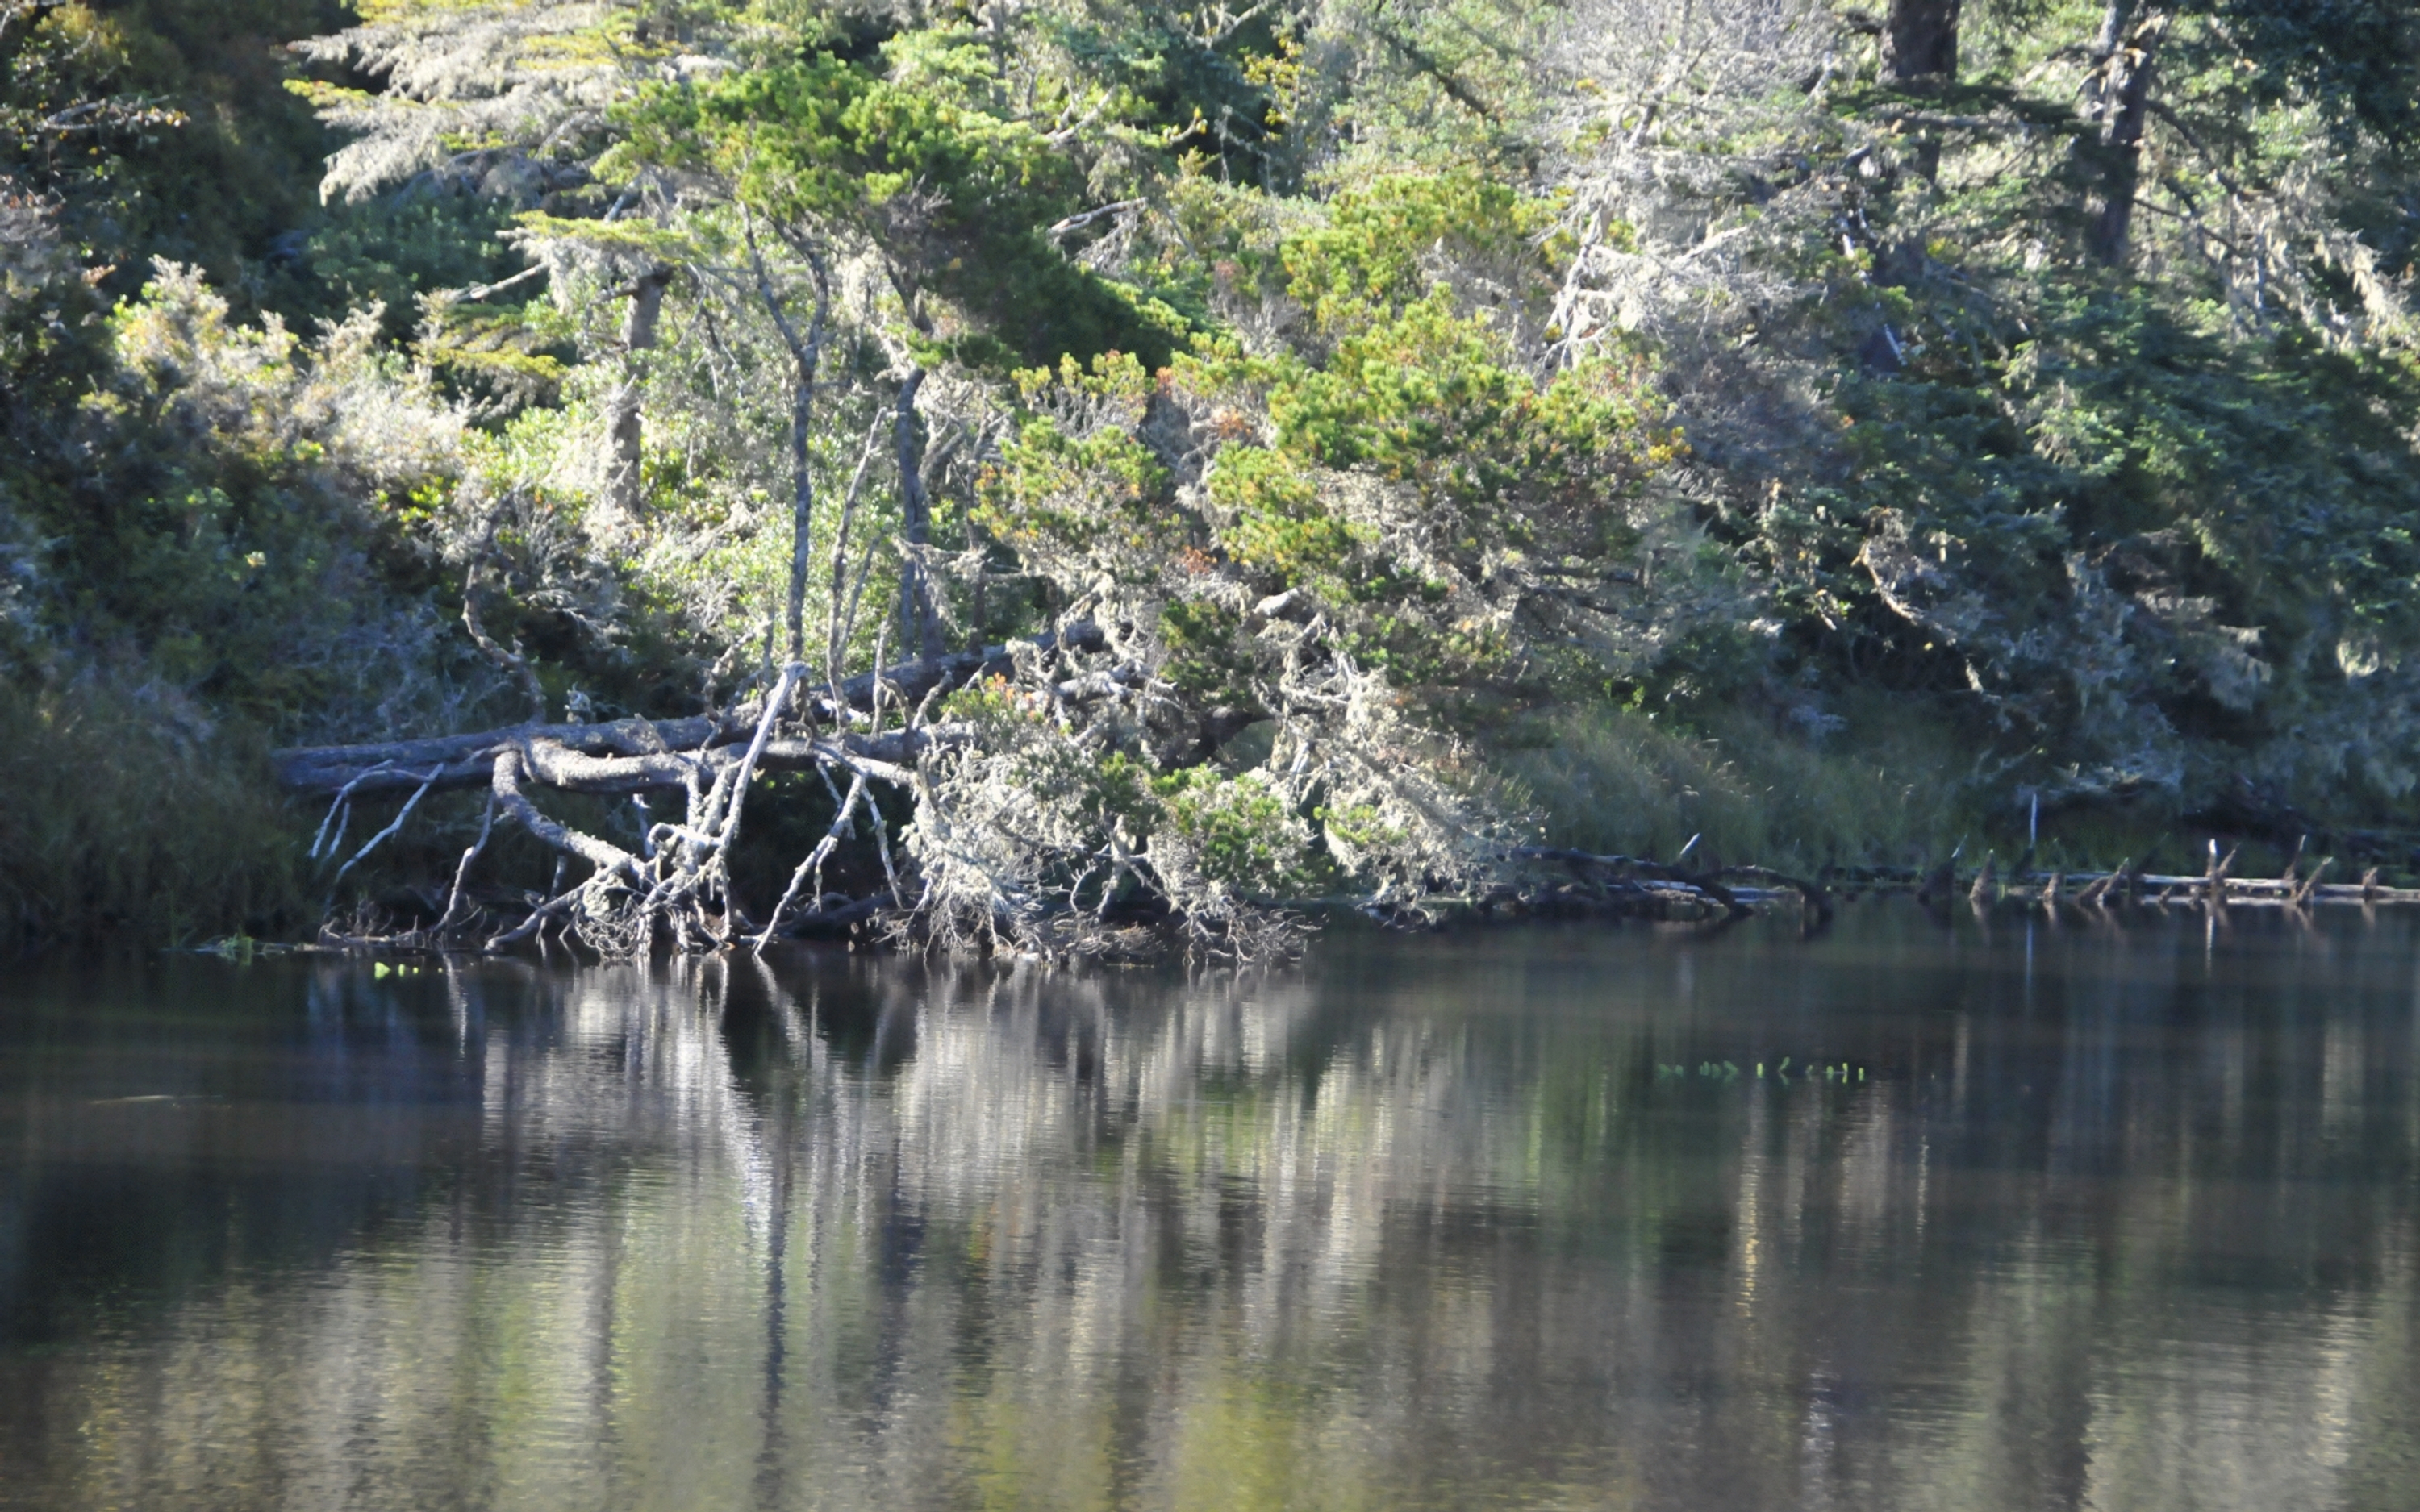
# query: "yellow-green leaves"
1279,526
1389,243
1076,480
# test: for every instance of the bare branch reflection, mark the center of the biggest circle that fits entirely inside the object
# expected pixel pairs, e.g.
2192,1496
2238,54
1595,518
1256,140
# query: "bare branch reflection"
2078,1217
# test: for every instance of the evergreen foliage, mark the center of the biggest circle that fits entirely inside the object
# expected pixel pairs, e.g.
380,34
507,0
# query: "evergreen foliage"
1406,392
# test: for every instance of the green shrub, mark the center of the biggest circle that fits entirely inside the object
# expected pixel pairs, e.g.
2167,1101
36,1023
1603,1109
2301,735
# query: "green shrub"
125,818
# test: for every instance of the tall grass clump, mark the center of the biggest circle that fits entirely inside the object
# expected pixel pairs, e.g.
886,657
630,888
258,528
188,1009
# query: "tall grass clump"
127,819
1612,780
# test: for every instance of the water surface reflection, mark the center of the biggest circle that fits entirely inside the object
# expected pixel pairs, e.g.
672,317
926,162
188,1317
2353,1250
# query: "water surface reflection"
2038,1216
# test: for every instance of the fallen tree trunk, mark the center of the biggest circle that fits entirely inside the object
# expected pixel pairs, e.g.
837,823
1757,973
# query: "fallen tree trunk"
1634,875
568,767
639,755
678,879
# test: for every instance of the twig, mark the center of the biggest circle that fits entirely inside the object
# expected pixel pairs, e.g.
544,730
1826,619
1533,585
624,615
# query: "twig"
409,804
340,802
882,848
832,627
500,284
774,703
806,356
487,826
813,863
538,916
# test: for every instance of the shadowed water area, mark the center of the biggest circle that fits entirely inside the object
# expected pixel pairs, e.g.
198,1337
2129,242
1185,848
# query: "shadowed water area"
2043,1215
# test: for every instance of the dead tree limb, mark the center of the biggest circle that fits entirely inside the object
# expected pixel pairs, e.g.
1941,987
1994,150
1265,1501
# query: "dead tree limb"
679,878
1815,897
539,913
372,844
652,749
814,864
604,856
1631,867
462,871
342,804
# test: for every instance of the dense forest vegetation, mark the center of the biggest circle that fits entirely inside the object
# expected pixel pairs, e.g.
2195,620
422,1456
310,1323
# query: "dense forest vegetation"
1376,435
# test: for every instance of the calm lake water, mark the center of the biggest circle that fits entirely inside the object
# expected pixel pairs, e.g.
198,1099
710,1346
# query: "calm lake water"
2041,1215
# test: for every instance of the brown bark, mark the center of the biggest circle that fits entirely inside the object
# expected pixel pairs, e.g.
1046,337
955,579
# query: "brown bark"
1920,42
2118,103
623,426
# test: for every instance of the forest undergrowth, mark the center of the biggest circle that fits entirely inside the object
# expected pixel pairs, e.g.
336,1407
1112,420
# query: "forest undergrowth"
1083,478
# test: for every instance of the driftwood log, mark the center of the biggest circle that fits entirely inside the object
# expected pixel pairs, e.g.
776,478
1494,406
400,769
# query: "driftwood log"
2217,885
1629,883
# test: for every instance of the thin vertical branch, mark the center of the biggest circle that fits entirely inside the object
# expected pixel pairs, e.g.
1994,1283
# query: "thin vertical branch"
806,357
814,864
462,873
856,592
832,622
916,626
727,821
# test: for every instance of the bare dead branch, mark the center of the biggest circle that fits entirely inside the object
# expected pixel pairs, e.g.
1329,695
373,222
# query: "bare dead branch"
462,871
372,844
467,759
605,857
814,864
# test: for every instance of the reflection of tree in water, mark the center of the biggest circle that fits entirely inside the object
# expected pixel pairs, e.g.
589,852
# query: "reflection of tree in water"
2104,1230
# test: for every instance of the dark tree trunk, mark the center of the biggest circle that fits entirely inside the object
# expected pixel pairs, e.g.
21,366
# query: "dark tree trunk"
623,424
1920,42
2118,102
